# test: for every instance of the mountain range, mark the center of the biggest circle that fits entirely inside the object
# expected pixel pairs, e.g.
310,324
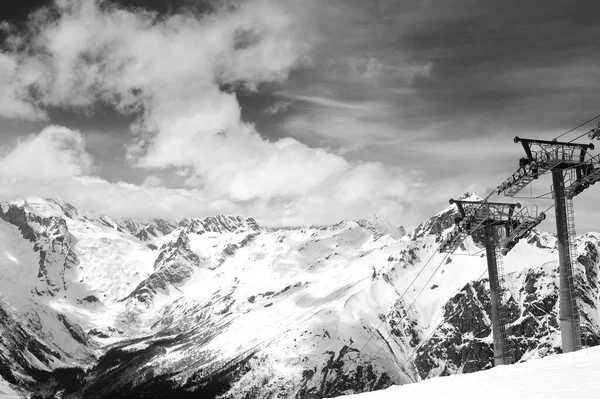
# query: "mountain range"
99,307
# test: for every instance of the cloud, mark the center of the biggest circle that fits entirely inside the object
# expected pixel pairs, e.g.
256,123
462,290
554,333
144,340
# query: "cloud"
12,101
379,90
54,163
116,199
55,153
152,181
96,51
278,107
177,74
327,102
464,67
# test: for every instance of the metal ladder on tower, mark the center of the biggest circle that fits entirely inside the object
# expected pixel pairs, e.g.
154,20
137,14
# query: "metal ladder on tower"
571,272
503,309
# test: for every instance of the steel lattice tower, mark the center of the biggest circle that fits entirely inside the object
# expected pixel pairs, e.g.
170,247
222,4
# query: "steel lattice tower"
504,225
571,174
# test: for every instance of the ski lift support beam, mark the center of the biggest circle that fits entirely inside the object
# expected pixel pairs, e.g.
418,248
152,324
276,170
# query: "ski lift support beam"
543,156
475,214
585,176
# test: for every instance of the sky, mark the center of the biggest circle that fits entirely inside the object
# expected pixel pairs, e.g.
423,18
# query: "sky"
293,112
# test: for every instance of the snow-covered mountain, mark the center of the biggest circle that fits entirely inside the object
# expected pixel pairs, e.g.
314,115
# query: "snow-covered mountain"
97,307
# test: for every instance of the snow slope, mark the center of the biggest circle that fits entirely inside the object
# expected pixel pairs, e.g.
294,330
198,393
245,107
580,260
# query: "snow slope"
569,375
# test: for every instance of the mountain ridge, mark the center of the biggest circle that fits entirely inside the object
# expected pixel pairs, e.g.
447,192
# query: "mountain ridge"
323,310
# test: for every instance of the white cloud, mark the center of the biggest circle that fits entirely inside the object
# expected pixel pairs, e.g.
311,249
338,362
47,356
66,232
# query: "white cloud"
329,102
170,73
152,181
278,107
115,199
12,103
55,153
54,163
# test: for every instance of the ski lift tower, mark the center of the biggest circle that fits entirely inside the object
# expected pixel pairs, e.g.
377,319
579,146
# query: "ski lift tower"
504,225
563,161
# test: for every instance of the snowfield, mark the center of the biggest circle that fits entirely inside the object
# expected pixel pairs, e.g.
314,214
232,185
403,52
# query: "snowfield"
569,375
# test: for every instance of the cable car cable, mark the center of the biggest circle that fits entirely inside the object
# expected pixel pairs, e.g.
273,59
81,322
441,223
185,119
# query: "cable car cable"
577,127
429,336
401,296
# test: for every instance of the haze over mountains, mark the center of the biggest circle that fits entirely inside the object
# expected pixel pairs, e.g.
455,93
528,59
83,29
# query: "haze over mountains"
99,307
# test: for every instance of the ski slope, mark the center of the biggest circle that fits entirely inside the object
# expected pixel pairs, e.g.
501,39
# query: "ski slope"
569,375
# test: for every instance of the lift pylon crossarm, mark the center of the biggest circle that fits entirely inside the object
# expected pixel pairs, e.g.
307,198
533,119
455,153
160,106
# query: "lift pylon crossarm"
465,224
520,231
585,176
479,210
473,215
541,157
557,151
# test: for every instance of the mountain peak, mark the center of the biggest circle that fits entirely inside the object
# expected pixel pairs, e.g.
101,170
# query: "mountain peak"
380,227
441,220
470,196
220,224
49,206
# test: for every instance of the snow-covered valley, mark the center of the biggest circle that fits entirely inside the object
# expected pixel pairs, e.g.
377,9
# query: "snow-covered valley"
96,307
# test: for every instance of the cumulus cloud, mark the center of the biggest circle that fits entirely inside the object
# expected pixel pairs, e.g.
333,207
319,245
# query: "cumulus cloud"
55,153
55,163
177,74
134,59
